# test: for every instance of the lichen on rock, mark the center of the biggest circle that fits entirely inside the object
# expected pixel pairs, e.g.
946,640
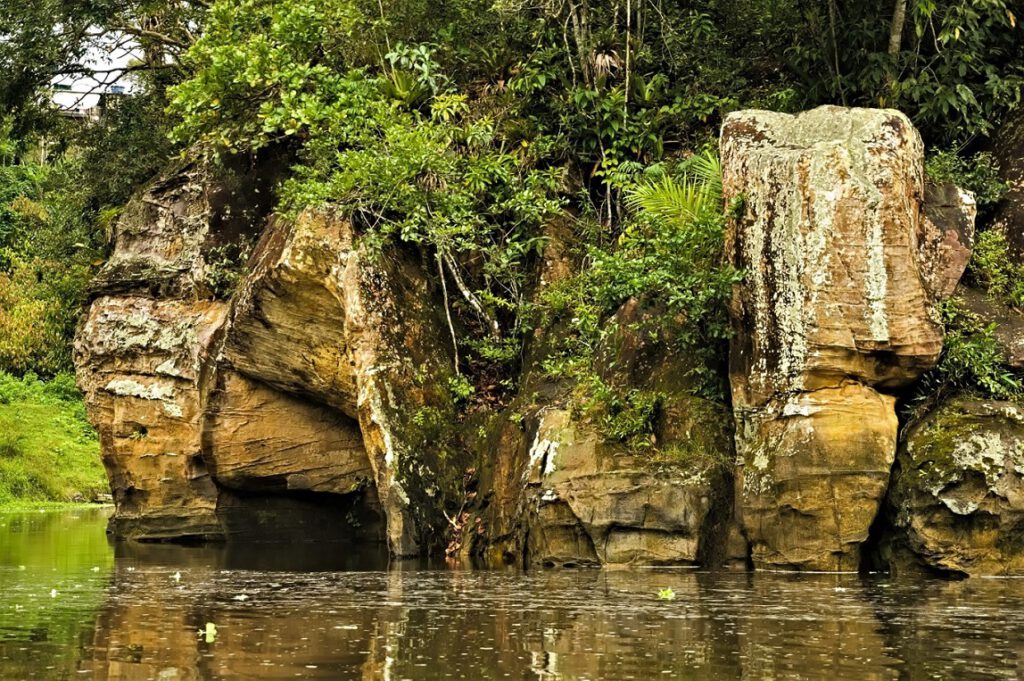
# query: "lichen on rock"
843,269
957,499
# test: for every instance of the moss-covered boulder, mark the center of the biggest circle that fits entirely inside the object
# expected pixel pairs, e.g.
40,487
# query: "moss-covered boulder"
957,497
591,502
558,488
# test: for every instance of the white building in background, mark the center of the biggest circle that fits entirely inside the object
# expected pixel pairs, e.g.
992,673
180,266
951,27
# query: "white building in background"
85,98
85,104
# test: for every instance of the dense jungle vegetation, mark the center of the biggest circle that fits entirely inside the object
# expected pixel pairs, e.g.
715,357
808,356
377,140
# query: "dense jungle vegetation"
463,127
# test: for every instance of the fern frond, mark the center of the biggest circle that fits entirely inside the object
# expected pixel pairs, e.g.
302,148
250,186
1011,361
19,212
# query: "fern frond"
707,168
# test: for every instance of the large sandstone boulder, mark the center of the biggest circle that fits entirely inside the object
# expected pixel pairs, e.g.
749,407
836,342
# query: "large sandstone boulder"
140,364
288,317
317,393
843,268
828,240
958,493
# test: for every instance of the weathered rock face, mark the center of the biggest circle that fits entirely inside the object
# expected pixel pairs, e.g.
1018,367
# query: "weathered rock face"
842,274
592,504
143,353
815,468
828,240
958,493
278,414
1008,147
288,318
262,440
140,366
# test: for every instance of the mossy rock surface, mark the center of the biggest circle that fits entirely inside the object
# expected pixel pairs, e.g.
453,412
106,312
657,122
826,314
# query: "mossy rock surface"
957,498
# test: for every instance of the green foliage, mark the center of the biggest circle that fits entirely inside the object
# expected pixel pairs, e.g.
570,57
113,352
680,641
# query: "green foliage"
958,66
971,361
47,251
48,450
626,416
225,265
461,388
978,174
669,256
993,269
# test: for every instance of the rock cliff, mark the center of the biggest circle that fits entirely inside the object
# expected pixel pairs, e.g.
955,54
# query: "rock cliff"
314,399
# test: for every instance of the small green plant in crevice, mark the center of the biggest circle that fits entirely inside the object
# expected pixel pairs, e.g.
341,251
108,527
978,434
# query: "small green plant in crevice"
993,268
627,416
972,361
461,388
978,174
225,267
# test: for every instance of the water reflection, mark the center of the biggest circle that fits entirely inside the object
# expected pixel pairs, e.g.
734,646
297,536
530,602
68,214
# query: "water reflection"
337,615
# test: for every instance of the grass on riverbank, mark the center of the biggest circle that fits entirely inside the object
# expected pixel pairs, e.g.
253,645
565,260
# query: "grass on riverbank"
48,450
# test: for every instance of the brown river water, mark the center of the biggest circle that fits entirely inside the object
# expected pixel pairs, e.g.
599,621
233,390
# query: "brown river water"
73,606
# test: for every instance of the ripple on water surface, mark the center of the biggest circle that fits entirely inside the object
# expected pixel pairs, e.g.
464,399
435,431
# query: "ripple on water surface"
73,607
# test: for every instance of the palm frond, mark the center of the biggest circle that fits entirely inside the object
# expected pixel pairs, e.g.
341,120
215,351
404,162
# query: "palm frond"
706,168
697,193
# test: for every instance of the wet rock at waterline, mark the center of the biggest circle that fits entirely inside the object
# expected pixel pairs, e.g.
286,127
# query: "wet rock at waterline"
592,503
140,364
957,499
259,439
813,472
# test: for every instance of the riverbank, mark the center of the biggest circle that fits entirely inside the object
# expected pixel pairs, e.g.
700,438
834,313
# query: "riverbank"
49,454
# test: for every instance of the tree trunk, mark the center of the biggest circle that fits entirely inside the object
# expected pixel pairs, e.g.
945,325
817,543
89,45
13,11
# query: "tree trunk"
899,16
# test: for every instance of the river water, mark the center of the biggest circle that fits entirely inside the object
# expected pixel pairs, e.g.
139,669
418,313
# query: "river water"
72,606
